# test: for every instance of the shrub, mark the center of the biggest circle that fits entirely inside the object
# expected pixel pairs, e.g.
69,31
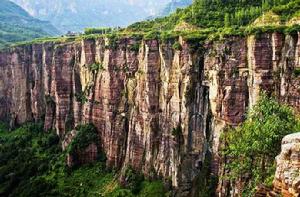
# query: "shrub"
87,134
177,46
296,72
293,29
104,30
133,180
252,146
81,97
151,189
96,67
135,47
177,131
152,35
3,127
113,41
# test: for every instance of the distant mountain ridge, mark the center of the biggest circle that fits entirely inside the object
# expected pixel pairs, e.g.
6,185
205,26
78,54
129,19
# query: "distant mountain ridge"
173,5
75,15
17,25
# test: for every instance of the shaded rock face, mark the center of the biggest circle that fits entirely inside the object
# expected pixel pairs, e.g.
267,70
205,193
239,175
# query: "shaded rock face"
157,109
287,179
79,157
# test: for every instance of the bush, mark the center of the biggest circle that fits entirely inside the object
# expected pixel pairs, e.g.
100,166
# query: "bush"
87,134
292,29
113,41
152,189
253,146
152,35
96,67
296,72
104,30
135,47
177,131
177,46
81,97
3,127
133,180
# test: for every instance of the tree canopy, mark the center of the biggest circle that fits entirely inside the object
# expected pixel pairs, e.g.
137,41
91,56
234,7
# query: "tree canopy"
251,147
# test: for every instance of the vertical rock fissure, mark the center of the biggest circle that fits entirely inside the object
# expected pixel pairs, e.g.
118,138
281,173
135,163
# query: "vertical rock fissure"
158,109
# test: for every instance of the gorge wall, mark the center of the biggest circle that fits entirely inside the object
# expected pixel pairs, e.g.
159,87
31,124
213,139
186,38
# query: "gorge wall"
157,109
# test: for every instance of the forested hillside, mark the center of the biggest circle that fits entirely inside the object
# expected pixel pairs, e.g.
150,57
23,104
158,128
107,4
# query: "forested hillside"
214,14
17,25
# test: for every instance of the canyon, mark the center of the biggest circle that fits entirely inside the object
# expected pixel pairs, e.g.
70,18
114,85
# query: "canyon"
158,109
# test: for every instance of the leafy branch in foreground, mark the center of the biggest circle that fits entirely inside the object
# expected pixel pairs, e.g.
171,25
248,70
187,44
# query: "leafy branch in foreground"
251,148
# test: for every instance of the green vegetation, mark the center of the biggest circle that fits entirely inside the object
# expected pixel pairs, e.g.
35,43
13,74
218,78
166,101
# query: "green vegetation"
133,179
135,47
113,41
218,14
87,134
203,20
96,67
32,164
296,72
27,154
217,19
177,46
177,132
104,30
17,25
81,97
252,147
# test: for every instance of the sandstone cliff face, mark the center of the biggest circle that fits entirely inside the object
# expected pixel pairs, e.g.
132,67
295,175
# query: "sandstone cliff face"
157,109
238,69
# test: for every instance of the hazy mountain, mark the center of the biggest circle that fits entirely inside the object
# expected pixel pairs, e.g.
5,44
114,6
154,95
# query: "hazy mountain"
75,15
17,25
173,5
170,7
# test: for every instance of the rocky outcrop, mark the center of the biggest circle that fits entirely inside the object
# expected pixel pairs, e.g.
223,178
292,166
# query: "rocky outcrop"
79,157
287,178
157,109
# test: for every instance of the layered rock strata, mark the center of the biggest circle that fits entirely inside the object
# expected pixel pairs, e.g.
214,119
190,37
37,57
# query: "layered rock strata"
157,109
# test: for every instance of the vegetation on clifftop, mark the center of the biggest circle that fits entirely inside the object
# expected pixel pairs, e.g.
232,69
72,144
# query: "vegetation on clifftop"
204,20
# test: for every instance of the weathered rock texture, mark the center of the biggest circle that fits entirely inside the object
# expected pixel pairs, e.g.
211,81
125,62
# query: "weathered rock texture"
156,109
79,157
287,177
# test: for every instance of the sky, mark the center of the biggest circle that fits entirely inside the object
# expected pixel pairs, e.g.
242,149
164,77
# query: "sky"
75,15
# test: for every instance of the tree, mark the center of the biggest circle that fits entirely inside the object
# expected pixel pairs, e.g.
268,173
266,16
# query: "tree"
251,148
227,20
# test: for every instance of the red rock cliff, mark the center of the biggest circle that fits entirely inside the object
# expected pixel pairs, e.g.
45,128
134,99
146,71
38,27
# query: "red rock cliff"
158,109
